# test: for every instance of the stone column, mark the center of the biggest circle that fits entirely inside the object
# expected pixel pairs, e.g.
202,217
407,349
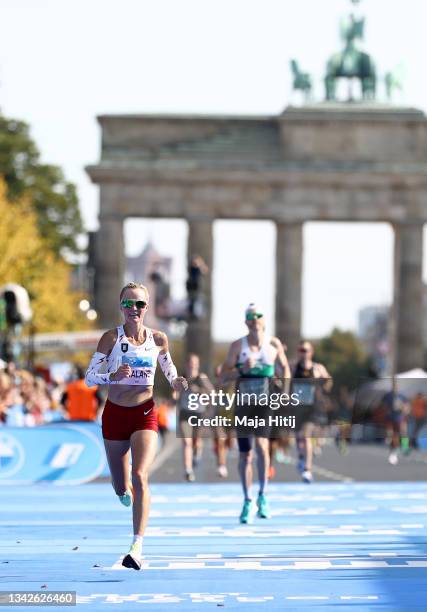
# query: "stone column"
109,270
289,251
199,332
407,325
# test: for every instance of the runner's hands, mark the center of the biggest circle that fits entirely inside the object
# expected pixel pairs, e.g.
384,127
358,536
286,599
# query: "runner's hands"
249,363
124,371
180,384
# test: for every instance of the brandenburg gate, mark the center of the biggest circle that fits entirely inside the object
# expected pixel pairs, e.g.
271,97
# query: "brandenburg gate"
324,162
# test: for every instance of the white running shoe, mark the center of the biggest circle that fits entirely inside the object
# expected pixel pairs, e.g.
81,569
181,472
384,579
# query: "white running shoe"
393,458
222,471
307,476
133,559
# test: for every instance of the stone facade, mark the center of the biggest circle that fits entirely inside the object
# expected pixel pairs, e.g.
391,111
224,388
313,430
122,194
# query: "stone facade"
328,162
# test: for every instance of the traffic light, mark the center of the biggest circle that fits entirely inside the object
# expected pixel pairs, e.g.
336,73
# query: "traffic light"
17,308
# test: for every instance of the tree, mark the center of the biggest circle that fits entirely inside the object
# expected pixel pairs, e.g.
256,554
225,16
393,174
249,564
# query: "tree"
53,198
344,358
26,259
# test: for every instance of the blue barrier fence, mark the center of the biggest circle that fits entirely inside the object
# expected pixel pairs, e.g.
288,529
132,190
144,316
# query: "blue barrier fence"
67,453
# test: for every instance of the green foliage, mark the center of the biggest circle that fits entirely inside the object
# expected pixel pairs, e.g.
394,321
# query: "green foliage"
53,199
344,358
26,259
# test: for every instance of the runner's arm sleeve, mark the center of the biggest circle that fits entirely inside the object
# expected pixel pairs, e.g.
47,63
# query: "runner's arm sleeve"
168,367
93,374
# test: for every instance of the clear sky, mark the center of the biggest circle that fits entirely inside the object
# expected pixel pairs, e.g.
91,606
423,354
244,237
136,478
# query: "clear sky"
62,62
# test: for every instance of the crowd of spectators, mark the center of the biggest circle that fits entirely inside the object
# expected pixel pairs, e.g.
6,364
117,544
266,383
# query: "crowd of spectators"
34,398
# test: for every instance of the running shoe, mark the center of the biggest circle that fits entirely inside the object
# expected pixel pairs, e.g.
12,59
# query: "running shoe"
281,457
133,559
126,499
248,511
307,476
190,477
263,507
393,458
222,471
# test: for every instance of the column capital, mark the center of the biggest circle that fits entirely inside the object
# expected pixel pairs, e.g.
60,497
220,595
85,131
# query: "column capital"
200,217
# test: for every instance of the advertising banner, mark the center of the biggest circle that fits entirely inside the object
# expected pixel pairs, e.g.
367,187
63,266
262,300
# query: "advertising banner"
68,453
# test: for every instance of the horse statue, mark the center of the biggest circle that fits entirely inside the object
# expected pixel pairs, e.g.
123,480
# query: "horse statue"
301,80
393,81
351,62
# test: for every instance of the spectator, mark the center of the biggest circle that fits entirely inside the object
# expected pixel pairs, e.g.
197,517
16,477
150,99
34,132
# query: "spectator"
81,402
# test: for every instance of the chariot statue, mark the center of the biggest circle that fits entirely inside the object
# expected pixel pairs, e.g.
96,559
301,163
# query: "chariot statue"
351,62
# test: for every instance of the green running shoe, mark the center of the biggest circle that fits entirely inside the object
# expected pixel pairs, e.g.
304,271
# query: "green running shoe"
126,499
263,507
248,511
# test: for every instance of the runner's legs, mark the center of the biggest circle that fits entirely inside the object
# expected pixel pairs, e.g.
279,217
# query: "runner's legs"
143,447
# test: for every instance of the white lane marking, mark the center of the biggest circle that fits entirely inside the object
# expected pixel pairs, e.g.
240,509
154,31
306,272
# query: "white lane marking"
330,474
326,473
312,565
262,565
362,597
366,564
307,597
168,598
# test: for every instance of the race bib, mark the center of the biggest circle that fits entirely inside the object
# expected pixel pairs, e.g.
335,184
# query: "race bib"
139,365
306,392
253,389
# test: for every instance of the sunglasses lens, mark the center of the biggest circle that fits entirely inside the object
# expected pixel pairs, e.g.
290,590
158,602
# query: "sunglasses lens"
130,303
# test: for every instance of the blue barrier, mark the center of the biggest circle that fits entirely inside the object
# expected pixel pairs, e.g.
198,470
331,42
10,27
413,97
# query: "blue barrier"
67,453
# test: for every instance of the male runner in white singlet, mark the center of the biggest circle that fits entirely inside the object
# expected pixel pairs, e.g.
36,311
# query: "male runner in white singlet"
252,361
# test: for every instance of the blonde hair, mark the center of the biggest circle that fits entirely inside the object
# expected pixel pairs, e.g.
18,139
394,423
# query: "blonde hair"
134,286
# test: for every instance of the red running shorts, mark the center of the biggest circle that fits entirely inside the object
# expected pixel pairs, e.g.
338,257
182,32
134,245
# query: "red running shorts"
120,422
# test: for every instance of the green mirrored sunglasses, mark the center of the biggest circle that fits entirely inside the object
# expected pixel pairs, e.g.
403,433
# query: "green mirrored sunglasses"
130,303
253,315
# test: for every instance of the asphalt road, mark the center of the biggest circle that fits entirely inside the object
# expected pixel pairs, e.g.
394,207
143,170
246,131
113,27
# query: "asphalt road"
362,463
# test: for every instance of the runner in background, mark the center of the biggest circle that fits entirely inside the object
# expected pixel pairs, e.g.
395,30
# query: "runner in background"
309,381
192,442
418,417
223,437
397,410
251,362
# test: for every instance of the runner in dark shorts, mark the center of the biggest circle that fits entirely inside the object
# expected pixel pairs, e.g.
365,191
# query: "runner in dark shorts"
251,363
309,380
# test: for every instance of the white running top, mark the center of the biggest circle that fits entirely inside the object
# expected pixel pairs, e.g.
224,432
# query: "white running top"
142,359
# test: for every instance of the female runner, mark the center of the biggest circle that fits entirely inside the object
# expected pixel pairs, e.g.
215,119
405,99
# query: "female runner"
126,361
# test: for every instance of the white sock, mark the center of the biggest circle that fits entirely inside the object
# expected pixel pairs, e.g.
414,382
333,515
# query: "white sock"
137,539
